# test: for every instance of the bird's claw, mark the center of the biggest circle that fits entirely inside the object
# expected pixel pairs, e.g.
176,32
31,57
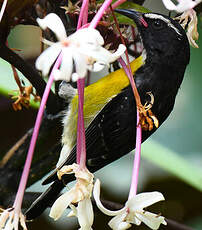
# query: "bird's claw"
147,119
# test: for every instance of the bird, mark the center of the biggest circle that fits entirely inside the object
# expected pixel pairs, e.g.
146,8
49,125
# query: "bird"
110,110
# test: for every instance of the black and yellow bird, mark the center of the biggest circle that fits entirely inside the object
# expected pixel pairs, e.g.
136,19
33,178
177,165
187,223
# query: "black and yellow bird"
110,108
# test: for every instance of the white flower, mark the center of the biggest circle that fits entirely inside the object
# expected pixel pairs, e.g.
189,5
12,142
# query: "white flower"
81,51
189,21
10,218
182,5
80,194
133,211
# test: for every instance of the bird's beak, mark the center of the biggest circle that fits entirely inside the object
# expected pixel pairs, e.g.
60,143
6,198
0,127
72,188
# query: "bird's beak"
136,16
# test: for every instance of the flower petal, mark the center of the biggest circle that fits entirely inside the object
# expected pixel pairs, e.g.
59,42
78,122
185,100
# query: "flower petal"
16,221
182,5
103,55
96,194
80,64
85,214
53,22
120,51
47,58
22,222
96,67
151,220
62,203
3,218
66,67
118,223
169,4
87,36
9,223
143,200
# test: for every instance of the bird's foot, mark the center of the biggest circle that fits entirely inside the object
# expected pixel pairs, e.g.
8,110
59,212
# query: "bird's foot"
147,119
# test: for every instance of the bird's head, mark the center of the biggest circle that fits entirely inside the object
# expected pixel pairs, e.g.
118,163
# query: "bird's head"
161,36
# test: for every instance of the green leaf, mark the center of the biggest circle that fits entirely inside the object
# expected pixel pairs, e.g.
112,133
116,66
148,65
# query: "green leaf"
129,5
173,163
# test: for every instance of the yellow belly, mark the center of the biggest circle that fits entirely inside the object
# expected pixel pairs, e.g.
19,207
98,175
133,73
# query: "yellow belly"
96,96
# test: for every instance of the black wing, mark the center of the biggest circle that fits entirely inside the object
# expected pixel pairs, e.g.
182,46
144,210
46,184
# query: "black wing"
109,136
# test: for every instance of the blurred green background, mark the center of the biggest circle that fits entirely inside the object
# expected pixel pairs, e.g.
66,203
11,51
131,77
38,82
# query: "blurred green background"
172,158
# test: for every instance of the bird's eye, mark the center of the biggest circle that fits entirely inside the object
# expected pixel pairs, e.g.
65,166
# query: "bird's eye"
158,24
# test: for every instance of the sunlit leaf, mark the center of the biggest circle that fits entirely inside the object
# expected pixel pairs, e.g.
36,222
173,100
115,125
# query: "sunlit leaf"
129,5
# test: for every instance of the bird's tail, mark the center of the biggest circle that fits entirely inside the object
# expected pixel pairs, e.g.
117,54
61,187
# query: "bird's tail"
44,201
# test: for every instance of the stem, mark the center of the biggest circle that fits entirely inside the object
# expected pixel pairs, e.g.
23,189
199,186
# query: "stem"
137,158
100,13
117,3
128,72
127,67
81,140
133,35
17,79
83,16
23,181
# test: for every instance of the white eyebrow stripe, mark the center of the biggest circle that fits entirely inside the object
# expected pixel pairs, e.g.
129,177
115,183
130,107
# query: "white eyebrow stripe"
169,23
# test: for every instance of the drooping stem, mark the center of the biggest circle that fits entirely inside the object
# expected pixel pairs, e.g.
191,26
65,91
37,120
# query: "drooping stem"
127,67
81,140
23,181
83,16
137,158
81,145
100,13
118,3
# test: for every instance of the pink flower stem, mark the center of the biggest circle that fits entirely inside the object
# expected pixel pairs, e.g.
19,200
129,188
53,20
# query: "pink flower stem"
81,143
81,140
137,158
99,14
117,3
128,73
83,16
23,181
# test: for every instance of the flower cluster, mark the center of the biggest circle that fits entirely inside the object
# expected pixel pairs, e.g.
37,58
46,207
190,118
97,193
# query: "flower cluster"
82,50
189,21
80,194
10,218
132,213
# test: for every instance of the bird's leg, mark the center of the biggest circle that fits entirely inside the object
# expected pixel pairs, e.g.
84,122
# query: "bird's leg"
147,119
